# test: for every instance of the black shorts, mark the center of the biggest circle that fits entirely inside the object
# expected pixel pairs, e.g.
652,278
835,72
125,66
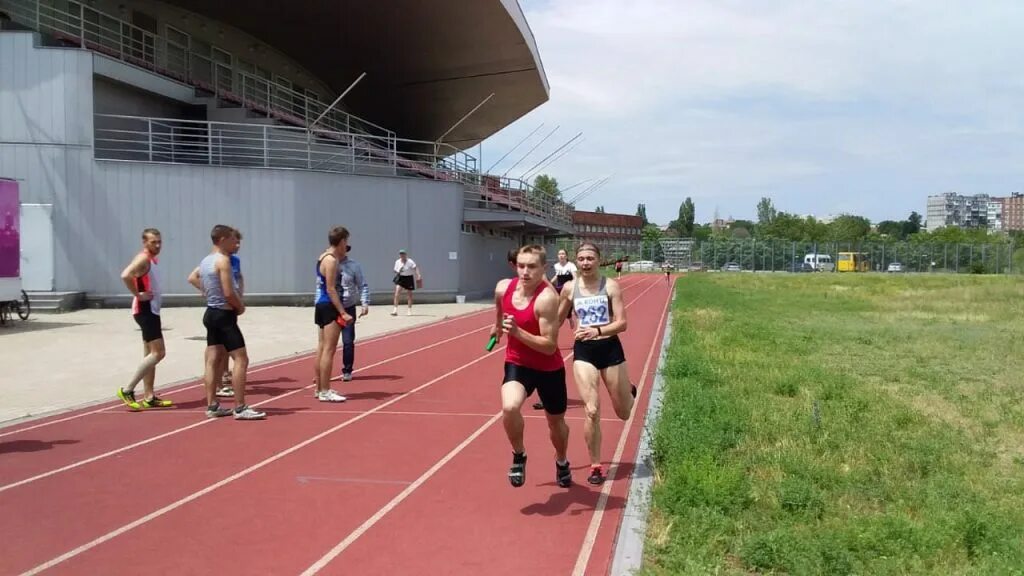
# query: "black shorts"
324,313
550,386
601,353
222,329
406,282
152,329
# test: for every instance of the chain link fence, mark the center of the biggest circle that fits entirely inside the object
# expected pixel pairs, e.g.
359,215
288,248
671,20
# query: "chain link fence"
787,256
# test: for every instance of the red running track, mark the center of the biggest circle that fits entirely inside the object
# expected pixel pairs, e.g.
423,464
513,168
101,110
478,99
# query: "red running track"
407,477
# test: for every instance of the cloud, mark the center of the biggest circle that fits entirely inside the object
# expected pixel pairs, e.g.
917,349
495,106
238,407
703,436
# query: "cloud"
820,104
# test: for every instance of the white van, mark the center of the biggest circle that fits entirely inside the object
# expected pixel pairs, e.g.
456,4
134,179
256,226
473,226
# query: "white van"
820,262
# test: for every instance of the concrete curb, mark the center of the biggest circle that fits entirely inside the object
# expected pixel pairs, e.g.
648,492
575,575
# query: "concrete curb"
629,543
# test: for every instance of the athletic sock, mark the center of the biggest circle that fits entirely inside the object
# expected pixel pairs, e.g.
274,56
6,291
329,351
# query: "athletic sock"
148,362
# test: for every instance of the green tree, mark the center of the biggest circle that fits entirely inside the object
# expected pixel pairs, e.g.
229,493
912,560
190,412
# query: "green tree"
684,224
766,212
652,243
784,227
891,228
849,228
547,186
912,225
641,211
702,231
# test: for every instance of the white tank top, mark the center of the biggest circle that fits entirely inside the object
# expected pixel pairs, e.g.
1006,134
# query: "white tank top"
592,311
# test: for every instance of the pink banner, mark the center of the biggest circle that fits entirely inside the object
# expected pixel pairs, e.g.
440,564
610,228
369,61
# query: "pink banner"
10,233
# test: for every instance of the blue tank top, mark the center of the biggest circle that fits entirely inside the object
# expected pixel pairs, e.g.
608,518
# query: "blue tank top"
211,283
321,284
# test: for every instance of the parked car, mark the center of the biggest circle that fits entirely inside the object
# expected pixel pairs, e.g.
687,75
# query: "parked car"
732,267
802,267
696,267
894,267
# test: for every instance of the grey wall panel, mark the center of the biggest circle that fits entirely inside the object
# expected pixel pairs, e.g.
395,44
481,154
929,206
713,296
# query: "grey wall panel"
432,230
482,262
44,93
284,217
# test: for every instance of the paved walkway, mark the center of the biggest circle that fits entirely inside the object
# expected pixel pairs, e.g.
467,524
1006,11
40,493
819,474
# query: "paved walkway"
57,362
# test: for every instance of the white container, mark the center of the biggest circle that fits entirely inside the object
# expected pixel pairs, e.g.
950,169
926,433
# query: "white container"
460,299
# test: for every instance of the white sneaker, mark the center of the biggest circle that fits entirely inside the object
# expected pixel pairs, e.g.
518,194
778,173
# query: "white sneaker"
225,392
331,396
247,413
409,313
394,311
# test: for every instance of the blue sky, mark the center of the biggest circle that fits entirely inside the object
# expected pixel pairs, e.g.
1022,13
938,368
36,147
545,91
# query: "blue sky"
825,106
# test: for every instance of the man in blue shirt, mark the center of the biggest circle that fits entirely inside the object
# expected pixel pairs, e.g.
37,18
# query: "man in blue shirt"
353,282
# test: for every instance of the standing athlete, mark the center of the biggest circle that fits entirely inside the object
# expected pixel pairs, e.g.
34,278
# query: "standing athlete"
226,390
526,309
142,279
223,307
598,353
407,277
329,312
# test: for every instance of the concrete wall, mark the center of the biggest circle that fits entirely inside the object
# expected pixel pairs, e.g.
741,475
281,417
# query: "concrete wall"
110,97
482,262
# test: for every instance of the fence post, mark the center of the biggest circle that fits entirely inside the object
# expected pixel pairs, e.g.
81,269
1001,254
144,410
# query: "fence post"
149,136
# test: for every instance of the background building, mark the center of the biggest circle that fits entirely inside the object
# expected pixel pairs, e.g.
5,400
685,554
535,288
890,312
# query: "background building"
121,115
952,209
617,235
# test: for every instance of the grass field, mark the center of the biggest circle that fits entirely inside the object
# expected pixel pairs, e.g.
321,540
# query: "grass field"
841,424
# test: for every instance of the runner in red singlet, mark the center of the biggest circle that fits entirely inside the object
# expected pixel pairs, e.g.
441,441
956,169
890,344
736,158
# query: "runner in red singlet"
142,279
527,311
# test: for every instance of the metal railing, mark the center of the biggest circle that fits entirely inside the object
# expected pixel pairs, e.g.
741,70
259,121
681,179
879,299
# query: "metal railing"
92,29
501,193
174,141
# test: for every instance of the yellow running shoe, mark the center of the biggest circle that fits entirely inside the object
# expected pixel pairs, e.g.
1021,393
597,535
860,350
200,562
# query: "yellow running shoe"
155,402
128,397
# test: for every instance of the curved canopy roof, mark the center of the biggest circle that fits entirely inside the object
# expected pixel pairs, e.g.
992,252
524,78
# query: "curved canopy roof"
427,63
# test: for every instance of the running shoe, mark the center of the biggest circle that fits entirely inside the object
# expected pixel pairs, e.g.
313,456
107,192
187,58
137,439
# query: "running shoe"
155,402
517,473
596,476
247,413
346,376
215,411
226,391
330,396
538,405
128,397
563,475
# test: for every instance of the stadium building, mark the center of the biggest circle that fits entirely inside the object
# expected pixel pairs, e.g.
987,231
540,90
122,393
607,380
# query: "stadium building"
281,119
